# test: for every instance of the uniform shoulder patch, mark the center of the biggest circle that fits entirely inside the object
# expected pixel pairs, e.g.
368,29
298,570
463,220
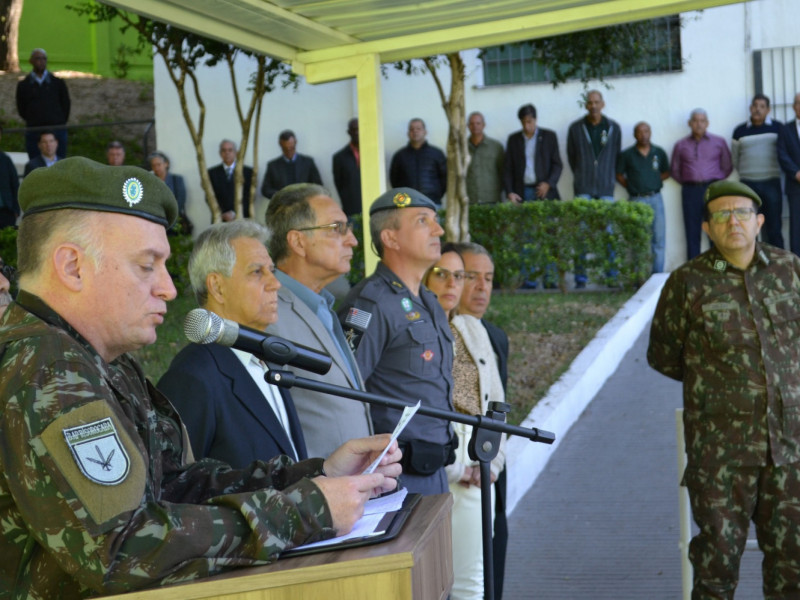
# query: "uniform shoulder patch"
358,318
99,460
98,451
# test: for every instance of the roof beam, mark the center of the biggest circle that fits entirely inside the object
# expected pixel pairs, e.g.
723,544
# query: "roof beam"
490,33
186,17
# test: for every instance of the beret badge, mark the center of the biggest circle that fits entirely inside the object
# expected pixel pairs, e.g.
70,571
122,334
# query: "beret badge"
401,200
132,191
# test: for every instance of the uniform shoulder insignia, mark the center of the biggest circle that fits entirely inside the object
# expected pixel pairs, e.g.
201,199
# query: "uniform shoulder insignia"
98,451
358,318
98,458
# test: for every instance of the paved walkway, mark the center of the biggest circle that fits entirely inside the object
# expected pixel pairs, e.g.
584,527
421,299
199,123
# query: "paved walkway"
601,521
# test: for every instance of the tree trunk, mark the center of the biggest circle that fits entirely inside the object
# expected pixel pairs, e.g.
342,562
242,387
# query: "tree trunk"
10,13
195,131
456,225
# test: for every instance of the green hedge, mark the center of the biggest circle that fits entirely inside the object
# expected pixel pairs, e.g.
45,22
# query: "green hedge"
536,234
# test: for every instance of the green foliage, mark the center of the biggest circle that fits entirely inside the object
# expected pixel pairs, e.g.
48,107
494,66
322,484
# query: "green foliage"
178,263
357,264
537,234
8,245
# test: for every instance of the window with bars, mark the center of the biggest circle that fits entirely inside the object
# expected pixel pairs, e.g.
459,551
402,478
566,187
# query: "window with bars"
515,63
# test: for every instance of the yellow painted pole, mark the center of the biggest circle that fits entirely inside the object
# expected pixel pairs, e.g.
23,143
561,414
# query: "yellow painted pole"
370,135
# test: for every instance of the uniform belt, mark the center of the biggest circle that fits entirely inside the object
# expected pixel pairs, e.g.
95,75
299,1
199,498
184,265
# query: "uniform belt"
645,195
421,457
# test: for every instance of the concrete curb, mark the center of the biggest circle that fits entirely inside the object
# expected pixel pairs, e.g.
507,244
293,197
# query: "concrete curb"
571,394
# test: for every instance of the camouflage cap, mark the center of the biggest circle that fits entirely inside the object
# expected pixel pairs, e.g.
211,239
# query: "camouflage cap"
718,189
402,197
80,183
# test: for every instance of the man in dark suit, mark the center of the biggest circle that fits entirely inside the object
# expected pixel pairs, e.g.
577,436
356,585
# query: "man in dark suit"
48,146
222,180
475,299
230,412
789,159
347,172
9,186
290,167
533,165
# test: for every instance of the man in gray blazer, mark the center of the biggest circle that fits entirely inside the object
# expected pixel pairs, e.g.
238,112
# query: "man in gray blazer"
312,245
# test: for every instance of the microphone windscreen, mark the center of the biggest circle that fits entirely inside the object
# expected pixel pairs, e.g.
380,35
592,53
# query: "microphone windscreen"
202,326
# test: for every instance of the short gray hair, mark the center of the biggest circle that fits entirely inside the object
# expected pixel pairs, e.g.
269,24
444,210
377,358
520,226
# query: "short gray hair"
214,253
471,248
40,233
698,111
289,210
383,219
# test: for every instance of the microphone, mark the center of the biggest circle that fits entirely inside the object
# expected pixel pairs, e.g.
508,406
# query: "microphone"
202,326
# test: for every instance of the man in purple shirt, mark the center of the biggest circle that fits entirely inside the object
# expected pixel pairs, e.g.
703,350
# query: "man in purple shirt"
697,161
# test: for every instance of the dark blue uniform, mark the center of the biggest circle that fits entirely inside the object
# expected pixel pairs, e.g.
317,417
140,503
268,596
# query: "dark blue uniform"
404,349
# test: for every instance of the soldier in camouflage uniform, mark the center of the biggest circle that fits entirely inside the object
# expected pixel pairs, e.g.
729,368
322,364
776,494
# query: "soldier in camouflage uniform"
99,492
727,325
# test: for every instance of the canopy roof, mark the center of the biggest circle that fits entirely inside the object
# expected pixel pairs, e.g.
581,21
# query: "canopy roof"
308,31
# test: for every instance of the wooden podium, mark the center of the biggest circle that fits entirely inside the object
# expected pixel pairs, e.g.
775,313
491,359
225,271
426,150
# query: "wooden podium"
417,564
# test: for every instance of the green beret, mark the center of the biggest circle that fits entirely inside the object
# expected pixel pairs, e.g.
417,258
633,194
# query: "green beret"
725,187
80,183
402,197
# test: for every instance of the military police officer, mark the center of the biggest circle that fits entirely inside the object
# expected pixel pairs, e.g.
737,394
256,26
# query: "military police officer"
400,335
727,326
99,492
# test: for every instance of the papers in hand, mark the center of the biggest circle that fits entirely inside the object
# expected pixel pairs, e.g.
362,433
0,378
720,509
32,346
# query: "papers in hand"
368,525
408,412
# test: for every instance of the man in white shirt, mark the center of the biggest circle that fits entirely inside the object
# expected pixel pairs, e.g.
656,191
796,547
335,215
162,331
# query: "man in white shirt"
230,412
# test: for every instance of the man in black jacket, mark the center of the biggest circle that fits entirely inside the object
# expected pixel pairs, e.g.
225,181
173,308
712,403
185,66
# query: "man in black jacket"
419,165
533,165
43,100
347,172
290,167
222,180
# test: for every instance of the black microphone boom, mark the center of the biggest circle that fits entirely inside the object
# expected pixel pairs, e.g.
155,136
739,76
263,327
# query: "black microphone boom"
202,326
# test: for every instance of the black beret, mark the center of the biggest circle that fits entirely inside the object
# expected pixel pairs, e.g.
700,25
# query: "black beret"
402,197
724,187
84,184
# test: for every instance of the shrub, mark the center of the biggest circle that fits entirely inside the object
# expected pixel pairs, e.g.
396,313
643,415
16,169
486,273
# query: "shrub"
603,237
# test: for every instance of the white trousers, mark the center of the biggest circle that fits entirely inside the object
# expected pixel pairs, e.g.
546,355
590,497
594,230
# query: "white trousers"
467,542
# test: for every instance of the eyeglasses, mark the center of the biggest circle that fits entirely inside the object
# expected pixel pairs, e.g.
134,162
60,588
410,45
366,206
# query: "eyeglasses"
445,274
741,214
473,275
8,271
340,227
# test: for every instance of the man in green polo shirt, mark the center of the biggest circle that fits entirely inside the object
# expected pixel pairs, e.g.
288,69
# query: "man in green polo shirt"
641,169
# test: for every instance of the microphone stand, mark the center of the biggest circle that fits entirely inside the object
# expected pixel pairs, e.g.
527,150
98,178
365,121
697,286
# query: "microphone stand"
483,445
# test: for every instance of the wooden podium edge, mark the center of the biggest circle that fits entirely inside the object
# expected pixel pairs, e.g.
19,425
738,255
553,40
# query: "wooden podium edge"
394,555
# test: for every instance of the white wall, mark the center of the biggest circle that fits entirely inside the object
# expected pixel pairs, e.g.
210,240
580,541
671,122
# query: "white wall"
717,75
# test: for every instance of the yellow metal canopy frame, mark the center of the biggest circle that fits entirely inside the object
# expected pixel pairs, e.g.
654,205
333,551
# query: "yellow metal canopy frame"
329,40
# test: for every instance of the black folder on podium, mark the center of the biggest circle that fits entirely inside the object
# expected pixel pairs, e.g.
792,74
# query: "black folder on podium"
391,524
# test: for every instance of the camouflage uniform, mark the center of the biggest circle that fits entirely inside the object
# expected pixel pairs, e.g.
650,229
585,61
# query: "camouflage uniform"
83,514
733,338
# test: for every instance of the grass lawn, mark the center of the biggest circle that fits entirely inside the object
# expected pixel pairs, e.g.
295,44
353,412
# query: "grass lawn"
546,332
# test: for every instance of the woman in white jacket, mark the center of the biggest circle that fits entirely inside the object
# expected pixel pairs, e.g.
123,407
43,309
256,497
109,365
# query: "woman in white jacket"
476,382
